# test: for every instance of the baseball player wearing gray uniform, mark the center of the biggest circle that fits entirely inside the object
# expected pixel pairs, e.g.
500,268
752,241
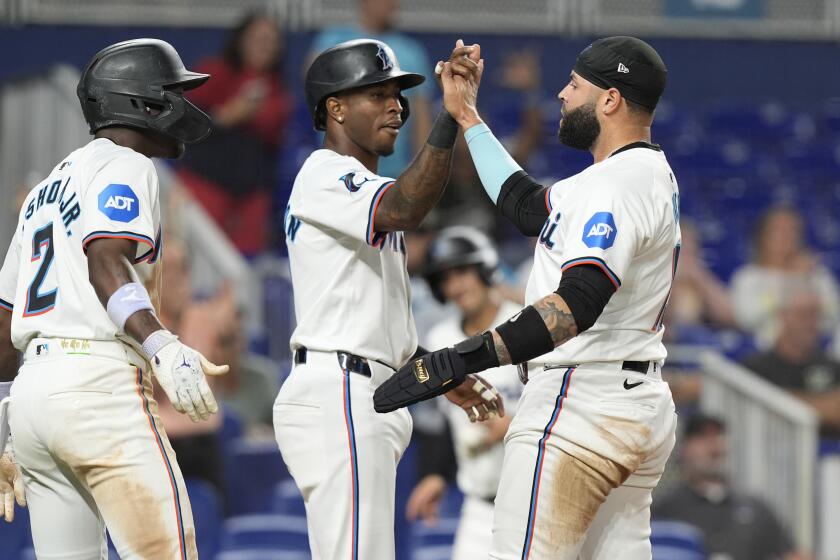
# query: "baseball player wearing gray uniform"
354,325
596,423
87,438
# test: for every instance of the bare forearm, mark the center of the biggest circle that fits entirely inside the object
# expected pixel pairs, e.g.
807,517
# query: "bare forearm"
827,405
421,116
109,268
8,354
558,320
416,191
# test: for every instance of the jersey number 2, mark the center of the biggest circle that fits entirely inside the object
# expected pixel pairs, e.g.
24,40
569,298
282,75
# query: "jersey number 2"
43,250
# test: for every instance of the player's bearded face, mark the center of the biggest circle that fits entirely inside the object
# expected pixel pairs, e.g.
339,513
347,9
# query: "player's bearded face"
579,128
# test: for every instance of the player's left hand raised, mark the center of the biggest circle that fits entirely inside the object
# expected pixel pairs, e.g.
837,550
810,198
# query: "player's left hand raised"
11,484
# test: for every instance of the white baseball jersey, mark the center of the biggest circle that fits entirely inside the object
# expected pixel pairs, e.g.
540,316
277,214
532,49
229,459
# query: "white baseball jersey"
100,190
478,473
621,215
350,281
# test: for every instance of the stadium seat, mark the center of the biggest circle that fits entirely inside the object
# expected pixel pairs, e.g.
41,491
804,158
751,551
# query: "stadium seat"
265,531
439,552
287,499
675,540
207,514
231,427
14,537
259,554
442,533
451,504
252,471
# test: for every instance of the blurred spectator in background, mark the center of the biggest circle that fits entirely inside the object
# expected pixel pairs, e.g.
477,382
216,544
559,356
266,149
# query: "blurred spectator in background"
197,444
233,173
377,20
780,260
249,388
736,527
425,308
464,201
698,306
699,300
460,269
797,363
521,78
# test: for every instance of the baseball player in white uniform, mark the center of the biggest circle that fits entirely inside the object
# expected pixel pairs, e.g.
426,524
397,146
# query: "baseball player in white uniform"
461,268
84,423
354,325
596,423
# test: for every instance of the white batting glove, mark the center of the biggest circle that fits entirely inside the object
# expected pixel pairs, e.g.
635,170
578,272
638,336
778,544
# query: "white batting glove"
11,483
181,371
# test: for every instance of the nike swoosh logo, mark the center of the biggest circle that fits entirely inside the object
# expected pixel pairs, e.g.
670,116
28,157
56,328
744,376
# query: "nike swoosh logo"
631,385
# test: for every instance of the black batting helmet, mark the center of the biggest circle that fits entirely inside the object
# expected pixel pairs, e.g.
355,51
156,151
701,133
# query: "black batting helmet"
140,84
457,247
349,65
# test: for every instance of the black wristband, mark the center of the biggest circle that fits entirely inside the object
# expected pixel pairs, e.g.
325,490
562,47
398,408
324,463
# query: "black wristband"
478,352
444,131
525,336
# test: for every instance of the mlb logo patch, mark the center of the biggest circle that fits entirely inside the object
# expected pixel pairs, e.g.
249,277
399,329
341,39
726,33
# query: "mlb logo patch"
119,203
600,231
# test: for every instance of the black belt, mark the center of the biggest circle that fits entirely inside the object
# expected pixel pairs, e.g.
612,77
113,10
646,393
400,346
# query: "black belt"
639,367
347,361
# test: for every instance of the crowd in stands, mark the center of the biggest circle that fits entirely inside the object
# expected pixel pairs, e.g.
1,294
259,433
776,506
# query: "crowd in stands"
778,314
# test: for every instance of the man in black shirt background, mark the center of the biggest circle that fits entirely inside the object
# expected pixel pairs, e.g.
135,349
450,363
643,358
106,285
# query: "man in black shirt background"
797,363
735,526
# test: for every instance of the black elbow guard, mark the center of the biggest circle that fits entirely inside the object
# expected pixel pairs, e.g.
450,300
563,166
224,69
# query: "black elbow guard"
522,200
586,290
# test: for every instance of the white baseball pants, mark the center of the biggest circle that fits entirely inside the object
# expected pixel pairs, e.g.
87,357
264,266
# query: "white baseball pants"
475,530
342,455
582,456
93,454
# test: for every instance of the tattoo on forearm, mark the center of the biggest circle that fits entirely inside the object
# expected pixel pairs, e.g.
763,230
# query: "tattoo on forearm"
417,190
501,350
558,318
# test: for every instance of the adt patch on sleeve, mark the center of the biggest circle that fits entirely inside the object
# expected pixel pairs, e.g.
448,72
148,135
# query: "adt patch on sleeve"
600,231
119,203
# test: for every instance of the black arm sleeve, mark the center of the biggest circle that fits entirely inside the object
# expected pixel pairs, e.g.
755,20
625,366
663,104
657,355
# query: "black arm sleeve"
522,201
586,290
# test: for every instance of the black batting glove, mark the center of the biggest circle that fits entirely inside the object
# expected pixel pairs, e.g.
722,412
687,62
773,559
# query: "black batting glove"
435,373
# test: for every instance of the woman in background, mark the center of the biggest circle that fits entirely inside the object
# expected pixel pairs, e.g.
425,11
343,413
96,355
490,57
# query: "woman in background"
782,259
233,174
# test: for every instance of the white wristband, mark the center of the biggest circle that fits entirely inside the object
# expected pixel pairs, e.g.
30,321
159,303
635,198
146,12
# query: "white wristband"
157,340
126,301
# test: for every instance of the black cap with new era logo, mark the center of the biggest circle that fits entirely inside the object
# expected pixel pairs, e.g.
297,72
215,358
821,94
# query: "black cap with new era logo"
626,63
